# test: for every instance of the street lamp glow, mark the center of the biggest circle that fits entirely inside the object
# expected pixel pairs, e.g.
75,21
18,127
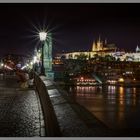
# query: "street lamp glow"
31,62
35,59
42,36
27,65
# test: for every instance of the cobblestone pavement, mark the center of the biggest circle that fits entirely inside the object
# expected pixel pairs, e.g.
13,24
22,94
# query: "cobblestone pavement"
20,112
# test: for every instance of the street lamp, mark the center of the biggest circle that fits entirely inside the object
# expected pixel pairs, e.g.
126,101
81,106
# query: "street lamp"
42,36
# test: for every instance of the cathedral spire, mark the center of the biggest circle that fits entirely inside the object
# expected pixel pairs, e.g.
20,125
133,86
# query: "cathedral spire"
99,38
94,46
105,41
137,49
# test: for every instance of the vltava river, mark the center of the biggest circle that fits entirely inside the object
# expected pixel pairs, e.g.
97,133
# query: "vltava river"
117,107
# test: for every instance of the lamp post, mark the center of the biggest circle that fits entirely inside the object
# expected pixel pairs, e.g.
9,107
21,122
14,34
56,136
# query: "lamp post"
42,36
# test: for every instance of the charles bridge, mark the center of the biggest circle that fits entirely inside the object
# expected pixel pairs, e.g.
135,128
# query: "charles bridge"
43,111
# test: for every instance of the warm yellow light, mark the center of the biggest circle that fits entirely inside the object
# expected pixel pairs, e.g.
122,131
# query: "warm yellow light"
82,78
121,80
121,90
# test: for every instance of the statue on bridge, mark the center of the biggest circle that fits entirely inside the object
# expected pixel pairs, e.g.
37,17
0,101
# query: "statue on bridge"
48,57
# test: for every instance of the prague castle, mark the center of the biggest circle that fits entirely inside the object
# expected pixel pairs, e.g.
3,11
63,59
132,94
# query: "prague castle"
99,47
103,48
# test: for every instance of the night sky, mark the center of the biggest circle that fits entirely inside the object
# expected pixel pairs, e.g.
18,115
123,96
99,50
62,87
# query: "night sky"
74,26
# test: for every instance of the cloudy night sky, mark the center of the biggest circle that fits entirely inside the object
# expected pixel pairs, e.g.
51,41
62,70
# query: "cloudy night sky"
74,26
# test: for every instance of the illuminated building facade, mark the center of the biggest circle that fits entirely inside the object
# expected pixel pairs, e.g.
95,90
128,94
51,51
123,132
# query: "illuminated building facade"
102,48
134,56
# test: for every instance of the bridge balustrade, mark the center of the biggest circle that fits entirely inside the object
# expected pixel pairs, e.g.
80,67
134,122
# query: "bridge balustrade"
51,124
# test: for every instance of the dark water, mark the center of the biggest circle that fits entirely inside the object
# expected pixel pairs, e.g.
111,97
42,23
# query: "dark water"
117,107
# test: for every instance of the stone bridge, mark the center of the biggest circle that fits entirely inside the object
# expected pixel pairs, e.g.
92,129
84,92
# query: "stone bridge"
43,111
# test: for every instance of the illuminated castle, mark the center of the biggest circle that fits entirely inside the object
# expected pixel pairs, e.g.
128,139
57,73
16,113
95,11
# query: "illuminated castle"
99,47
102,46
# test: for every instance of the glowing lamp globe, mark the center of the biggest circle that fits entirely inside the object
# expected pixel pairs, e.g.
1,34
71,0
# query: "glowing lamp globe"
42,36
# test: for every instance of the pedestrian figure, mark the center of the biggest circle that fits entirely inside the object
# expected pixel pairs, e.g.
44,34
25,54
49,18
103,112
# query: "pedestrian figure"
22,78
31,79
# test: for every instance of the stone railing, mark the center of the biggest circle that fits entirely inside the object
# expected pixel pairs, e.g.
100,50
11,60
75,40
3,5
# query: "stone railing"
51,124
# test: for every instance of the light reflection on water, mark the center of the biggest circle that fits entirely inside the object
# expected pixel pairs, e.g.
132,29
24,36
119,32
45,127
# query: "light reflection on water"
115,106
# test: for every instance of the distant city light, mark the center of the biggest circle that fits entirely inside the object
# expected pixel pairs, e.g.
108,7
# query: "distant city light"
8,67
82,78
35,59
121,80
23,67
18,65
31,63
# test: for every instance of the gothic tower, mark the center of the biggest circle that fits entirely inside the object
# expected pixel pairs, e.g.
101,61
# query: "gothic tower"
94,48
99,44
137,49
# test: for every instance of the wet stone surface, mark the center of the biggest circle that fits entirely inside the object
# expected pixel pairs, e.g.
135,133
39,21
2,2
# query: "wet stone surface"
71,125
20,113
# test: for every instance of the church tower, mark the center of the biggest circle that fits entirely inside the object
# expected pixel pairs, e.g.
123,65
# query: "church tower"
94,48
105,41
99,44
137,49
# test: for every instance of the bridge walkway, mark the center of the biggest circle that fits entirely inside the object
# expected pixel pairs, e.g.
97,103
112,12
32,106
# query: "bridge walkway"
20,111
